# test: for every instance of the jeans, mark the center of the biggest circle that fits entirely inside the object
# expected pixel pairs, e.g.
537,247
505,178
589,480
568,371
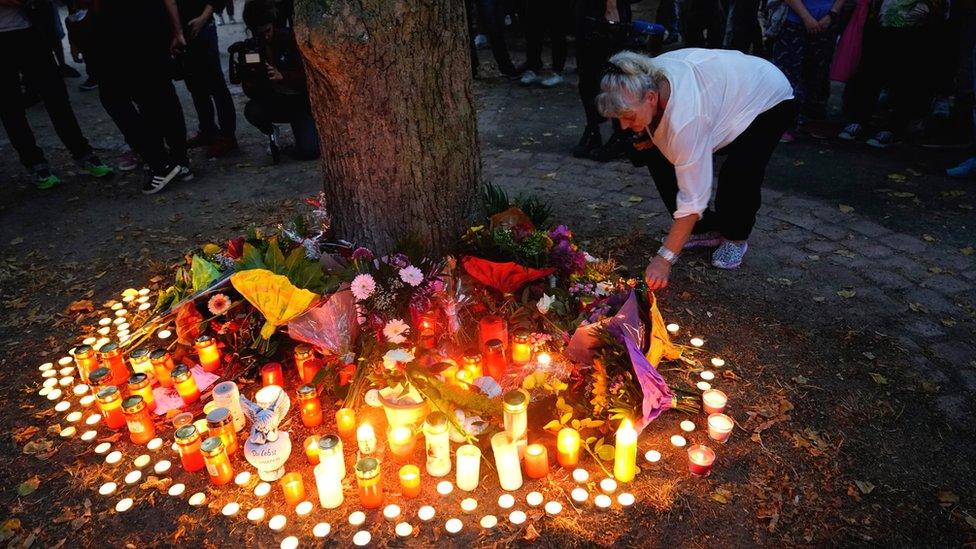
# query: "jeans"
492,17
29,53
702,23
143,104
264,111
544,18
886,54
205,81
805,60
738,196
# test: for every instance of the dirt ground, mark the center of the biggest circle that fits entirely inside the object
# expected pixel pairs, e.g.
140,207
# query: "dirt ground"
847,336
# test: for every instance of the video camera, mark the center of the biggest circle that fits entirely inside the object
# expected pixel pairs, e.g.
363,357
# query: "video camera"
247,61
639,36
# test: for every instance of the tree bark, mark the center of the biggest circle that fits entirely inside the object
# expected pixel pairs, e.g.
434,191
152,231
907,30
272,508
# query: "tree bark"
390,86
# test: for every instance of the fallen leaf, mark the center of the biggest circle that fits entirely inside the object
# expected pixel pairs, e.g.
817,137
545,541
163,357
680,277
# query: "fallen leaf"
868,355
928,238
81,306
531,534
722,495
37,447
902,194
844,208
635,199
819,299
847,294
16,241
800,380
9,529
968,250
27,487
948,322
878,378
917,307
844,252
948,498
864,486
24,434
896,177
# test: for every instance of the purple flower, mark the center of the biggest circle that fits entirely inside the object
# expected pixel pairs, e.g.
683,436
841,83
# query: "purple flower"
400,261
362,254
567,260
561,232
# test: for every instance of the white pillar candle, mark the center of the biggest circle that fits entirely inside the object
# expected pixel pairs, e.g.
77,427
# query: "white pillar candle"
468,467
719,427
366,438
227,395
507,461
328,482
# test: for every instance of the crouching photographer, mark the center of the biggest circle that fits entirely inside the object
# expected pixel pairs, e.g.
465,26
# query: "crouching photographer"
269,68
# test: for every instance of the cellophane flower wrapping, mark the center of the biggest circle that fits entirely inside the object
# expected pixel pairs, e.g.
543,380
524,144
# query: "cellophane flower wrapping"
331,325
657,397
626,321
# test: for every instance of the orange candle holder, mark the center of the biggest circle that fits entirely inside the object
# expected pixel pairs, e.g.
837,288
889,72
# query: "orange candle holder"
346,423
162,366
312,449
188,443
402,441
208,353
217,461
141,428
306,364
139,384
85,360
293,487
110,356
521,347
368,479
491,327
185,385
310,408
471,363
110,403
568,447
409,481
271,375
536,461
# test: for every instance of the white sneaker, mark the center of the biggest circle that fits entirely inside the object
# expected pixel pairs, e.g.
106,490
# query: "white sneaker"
554,79
850,132
528,78
481,41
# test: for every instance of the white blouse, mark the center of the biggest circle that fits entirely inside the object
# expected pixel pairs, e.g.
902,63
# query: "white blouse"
715,96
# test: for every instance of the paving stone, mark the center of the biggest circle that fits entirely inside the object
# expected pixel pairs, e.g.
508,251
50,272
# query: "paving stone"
955,407
515,155
924,327
955,354
970,275
800,219
968,377
547,166
931,300
791,235
874,251
831,231
905,243
867,228
886,278
907,266
821,246
946,284
789,253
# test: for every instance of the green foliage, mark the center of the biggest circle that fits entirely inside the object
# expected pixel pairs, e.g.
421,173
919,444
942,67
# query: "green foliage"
497,201
203,273
302,272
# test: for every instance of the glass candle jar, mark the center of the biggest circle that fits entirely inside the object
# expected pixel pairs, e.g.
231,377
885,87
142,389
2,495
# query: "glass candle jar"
311,446
188,444
208,353
568,447
494,358
185,385
328,477
515,405
471,363
140,363
271,375
491,327
468,467
303,354
330,454
346,423
506,461
218,463
141,428
366,439
368,479
402,441
139,385
110,403
309,405
700,460
163,366
85,360
227,395
293,487
536,461
521,348
99,378
110,356
221,424
409,481
438,443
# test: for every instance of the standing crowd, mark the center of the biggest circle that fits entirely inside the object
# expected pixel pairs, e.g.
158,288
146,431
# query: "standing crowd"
133,51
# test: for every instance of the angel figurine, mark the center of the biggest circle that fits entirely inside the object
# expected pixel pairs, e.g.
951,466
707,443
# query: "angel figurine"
267,449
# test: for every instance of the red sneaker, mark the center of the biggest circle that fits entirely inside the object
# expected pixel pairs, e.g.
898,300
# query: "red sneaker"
222,146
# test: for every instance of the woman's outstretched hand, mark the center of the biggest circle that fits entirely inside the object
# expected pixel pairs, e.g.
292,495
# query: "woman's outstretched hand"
657,273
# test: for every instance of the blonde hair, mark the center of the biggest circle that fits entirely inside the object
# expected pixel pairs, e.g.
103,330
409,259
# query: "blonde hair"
624,86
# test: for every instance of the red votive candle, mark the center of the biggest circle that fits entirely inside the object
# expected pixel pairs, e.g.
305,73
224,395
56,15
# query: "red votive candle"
700,460
271,375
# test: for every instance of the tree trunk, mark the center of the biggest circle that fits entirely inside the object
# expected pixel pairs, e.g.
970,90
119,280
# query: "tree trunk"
390,85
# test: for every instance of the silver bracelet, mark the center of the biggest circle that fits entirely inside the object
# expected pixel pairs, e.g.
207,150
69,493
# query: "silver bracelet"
668,255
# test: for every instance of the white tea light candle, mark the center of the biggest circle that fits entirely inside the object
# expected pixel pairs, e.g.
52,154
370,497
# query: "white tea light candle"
107,489
489,521
73,417
68,432
534,499
625,499
506,501
579,495
553,508
697,341
197,499
230,509
445,487
361,538
652,456
291,542
357,518
391,512
321,530
602,501
403,530
718,362
453,526
469,504
141,461
176,489
114,457
678,441
89,435
673,328
242,478
687,426
517,517
703,385
277,523
707,375
256,515
133,477
581,475
123,505
154,444
426,513
608,485
103,447
162,466
304,508
262,489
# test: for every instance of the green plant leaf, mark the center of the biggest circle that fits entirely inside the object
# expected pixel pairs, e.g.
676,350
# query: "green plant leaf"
203,273
28,486
251,258
274,259
605,452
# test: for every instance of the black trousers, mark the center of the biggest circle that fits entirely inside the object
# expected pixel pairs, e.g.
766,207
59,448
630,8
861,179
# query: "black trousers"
742,30
738,197
27,52
205,81
144,106
544,18
492,16
264,111
702,23
594,46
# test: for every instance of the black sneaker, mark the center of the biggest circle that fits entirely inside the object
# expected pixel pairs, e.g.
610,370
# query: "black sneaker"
88,85
186,174
158,180
614,148
590,141
273,148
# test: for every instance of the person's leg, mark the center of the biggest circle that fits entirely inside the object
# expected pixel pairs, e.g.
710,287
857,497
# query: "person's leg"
738,196
226,112
472,11
740,25
590,55
715,23
198,81
493,18
911,89
666,182
40,68
11,106
535,27
229,7
303,127
115,93
788,55
869,79
557,34
692,22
